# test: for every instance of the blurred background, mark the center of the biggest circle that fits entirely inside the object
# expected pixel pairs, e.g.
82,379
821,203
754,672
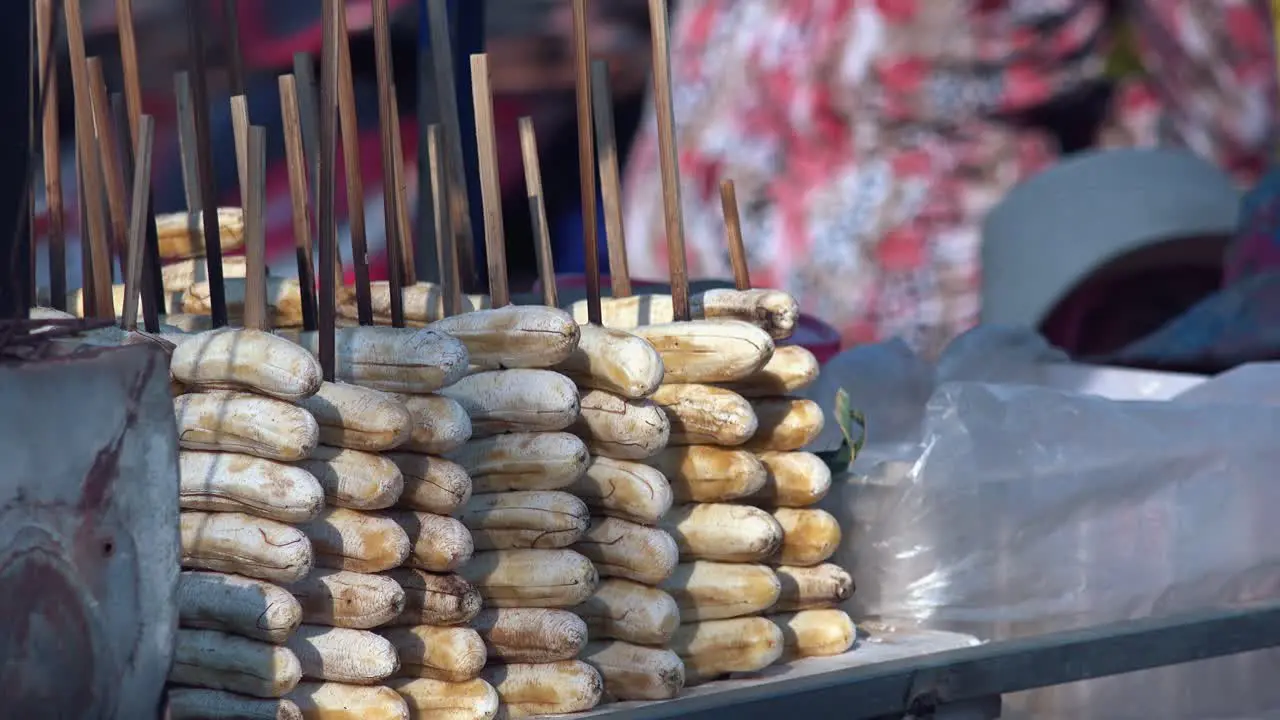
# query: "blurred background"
872,143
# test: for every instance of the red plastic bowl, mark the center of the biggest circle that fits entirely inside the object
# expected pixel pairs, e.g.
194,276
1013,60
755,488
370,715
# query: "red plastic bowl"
811,333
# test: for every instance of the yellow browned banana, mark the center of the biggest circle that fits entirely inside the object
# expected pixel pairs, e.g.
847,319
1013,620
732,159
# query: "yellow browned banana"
706,415
704,473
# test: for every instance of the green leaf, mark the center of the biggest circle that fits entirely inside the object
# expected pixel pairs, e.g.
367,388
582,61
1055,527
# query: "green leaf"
840,459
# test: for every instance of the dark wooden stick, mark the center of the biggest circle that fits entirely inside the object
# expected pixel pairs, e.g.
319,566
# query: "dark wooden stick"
610,180
91,187
538,212
586,159
255,232
152,283
668,159
295,158
458,213
109,155
405,233
129,64
386,120
30,291
138,221
240,131
230,18
88,293
351,165
309,109
733,234
204,164
446,249
327,156
51,141
491,188
187,143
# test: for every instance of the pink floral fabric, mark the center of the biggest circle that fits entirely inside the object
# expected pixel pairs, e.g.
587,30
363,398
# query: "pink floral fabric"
868,138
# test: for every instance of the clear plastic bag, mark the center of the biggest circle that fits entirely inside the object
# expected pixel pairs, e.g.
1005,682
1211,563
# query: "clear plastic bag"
1023,510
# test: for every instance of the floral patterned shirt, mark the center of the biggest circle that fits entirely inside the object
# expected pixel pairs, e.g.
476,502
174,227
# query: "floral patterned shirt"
868,138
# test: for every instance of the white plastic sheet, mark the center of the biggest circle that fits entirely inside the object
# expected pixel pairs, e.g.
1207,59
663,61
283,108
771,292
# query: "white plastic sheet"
1016,510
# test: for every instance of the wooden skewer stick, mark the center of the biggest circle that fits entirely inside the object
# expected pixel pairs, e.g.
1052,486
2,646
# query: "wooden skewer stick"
308,107
458,212
386,119
204,164
230,18
538,212
91,187
351,165
51,141
109,155
586,159
255,240
733,234
296,160
240,130
152,279
88,294
610,180
404,229
490,187
446,248
187,145
668,159
152,301
327,157
138,222
129,63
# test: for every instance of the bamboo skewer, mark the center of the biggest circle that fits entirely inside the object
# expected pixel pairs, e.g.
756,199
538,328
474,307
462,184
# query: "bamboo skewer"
733,235
387,118
586,159
326,157
35,121
405,231
235,62
610,180
152,301
295,158
255,284
187,144
668,159
446,248
129,64
308,108
204,166
88,294
51,142
152,279
538,212
109,155
240,129
90,189
348,125
458,210
490,187
138,223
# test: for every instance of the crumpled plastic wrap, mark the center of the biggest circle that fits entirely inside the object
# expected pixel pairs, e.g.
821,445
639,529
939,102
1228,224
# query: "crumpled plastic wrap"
1017,510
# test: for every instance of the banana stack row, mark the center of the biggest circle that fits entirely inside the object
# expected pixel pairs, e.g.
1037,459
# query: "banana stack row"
794,483
521,518
630,620
437,656
244,504
741,483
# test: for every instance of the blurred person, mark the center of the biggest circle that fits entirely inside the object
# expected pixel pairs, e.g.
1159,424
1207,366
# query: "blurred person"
868,138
